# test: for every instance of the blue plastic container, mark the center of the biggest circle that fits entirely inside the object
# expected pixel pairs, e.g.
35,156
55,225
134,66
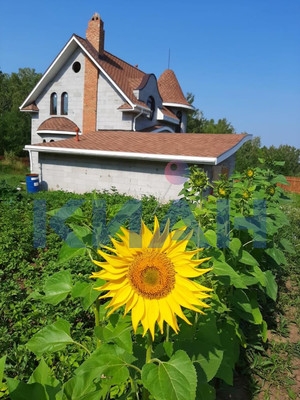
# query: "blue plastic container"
32,183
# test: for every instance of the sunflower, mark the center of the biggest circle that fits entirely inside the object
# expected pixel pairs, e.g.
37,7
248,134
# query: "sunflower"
249,173
150,275
270,190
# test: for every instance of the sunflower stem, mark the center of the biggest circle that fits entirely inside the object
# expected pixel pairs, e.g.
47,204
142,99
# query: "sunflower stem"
167,333
149,347
96,309
145,393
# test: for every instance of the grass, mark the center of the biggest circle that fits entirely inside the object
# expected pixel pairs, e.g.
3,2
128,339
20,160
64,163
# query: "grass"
13,170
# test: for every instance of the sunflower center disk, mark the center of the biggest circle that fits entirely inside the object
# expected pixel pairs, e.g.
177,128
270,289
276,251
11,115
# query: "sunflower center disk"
152,274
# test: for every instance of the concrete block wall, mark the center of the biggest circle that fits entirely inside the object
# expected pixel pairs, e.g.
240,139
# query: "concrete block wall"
83,174
109,100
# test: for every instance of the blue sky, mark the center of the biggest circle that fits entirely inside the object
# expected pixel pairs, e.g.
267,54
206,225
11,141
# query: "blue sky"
240,58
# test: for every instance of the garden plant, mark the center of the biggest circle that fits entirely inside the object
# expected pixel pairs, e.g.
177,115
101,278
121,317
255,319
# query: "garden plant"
146,301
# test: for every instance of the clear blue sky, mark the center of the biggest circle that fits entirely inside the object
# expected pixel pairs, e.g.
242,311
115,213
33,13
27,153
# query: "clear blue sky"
240,58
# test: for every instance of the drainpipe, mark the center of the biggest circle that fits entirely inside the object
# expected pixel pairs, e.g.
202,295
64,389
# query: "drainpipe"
30,159
135,118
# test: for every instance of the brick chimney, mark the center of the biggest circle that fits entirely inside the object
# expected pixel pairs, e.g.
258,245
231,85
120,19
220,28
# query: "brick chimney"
95,33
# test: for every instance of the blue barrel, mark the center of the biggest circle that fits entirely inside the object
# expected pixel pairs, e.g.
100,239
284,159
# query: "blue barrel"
32,183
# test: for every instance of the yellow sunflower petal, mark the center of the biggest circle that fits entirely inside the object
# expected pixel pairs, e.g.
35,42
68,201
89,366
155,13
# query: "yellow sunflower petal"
150,275
137,313
167,314
177,309
151,317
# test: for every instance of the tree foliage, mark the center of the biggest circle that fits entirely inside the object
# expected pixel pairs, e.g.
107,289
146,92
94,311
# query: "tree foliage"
197,123
251,154
15,127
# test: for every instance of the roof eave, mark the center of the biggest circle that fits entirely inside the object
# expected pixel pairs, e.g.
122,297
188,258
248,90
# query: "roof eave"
179,105
124,155
233,149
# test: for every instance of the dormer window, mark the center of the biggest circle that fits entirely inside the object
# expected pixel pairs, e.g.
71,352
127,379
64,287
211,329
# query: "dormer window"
53,104
151,105
64,104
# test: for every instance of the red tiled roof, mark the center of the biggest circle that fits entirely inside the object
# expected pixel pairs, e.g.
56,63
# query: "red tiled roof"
129,77
180,144
30,107
58,124
170,89
125,106
126,76
169,113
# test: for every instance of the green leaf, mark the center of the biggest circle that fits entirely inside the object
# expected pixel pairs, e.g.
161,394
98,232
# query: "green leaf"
175,379
204,348
205,392
56,288
119,333
43,374
211,237
86,291
66,252
52,338
259,275
110,362
279,179
82,387
231,345
271,285
248,305
287,246
67,211
257,317
2,366
81,236
277,255
235,246
247,258
223,269
23,391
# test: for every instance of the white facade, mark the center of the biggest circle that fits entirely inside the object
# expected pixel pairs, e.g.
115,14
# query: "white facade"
82,174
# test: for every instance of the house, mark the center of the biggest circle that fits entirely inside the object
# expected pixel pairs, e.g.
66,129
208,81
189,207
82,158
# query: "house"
99,122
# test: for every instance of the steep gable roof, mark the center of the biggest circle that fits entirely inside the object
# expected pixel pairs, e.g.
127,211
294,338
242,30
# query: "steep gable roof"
171,91
187,147
125,77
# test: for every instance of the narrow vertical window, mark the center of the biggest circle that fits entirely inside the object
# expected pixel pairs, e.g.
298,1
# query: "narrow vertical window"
64,103
151,105
53,104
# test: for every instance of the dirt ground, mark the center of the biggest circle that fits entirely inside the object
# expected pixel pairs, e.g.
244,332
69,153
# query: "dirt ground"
272,390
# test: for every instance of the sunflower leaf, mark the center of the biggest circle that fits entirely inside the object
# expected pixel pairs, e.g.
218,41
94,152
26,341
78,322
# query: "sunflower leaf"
52,338
110,362
175,379
56,288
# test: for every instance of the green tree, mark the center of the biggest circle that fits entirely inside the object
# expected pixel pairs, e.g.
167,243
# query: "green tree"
222,126
248,155
289,154
15,126
195,117
197,123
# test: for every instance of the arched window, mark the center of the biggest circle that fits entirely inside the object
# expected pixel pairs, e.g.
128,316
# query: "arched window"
64,104
151,105
53,104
